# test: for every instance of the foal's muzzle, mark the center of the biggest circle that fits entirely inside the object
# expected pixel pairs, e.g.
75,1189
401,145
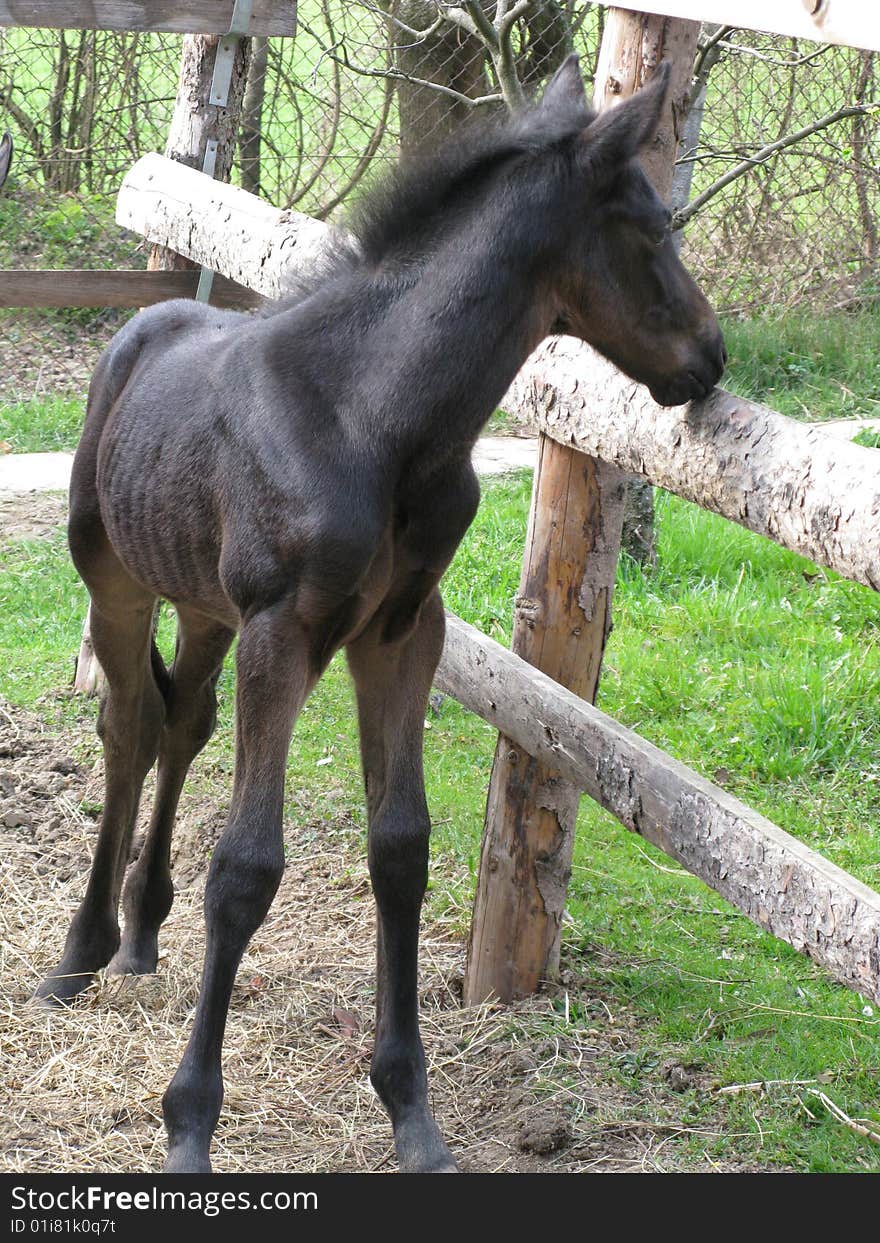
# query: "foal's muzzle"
696,379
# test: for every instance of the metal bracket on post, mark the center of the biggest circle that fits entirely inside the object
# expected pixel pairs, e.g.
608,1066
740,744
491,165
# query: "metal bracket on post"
221,80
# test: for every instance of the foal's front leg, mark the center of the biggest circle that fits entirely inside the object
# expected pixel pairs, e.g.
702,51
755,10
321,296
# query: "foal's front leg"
275,674
393,682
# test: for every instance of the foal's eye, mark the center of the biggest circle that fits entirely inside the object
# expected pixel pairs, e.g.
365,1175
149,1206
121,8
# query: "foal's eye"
657,238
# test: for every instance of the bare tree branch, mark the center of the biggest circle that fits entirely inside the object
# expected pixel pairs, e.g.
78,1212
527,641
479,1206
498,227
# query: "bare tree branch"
682,216
496,36
743,49
709,52
398,75
418,36
471,18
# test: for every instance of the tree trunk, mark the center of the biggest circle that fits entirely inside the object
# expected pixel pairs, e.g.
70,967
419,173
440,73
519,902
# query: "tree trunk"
55,170
252,116
562,615
195,120
861,159
448,57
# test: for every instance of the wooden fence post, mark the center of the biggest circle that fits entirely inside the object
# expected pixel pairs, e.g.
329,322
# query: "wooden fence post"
562,614
561,620
194,122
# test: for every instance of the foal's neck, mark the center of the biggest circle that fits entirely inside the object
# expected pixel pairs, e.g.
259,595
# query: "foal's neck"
456,334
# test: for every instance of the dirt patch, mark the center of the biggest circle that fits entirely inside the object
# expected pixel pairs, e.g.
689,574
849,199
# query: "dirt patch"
42,358
31,515
515,1088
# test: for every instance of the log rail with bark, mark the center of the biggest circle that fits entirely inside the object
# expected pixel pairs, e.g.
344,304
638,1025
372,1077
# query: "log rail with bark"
777,881
207,17
793,483
852,23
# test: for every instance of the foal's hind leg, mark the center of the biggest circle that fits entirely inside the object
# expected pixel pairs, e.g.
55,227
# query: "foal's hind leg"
393,683
191,713
276,671
129,723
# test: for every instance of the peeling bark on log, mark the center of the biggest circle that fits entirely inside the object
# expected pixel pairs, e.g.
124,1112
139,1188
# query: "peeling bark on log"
782,885
218,225
804,489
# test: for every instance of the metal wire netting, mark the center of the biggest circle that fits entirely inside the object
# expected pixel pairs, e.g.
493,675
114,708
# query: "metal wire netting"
363,82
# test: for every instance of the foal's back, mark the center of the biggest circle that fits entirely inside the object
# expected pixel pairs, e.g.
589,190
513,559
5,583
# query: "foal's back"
212,466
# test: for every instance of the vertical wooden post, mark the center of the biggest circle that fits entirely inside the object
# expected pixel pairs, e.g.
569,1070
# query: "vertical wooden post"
194,121
562,615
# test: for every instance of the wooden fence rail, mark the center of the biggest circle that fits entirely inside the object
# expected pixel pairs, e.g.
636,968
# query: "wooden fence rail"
75,287
853,23
806,490
781,884
196,17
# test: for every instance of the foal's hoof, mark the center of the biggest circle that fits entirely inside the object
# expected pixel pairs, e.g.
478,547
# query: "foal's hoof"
129,961
447,1167
421,1149
57,990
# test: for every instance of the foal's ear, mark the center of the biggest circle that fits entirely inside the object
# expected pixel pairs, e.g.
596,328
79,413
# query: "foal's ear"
619,133
566,88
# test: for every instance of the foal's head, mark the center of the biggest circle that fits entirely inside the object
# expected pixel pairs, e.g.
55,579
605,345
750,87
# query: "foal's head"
620,285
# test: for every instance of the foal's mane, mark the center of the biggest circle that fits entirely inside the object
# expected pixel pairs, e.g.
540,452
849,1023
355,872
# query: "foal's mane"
422,197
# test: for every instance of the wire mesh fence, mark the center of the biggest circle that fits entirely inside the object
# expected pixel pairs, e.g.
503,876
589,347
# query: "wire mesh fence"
782,175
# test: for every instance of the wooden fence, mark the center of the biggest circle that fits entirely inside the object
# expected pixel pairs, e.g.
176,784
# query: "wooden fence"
44,288
195,17
853,23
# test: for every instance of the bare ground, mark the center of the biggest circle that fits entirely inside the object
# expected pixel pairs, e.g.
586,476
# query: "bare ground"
31,515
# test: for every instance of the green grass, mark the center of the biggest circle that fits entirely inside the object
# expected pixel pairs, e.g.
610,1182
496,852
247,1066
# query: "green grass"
868,438
41,424
737,657
810,367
